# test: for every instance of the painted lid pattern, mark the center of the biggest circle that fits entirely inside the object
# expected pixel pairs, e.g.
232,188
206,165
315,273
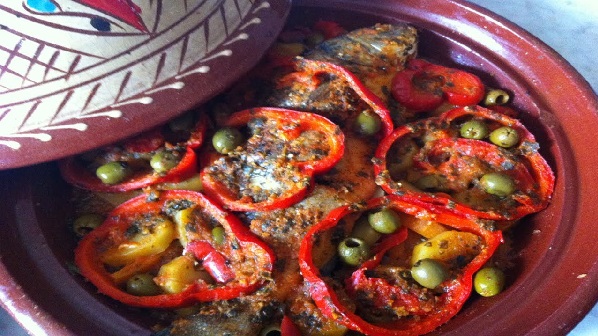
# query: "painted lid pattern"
65,64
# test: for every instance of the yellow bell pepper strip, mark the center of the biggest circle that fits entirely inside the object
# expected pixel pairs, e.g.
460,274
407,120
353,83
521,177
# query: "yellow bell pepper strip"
141,228
415,315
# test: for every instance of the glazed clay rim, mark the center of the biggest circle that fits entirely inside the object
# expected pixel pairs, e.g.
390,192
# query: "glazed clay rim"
566,290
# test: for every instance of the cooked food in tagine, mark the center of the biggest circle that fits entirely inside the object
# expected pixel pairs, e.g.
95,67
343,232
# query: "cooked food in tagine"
164,154
343,187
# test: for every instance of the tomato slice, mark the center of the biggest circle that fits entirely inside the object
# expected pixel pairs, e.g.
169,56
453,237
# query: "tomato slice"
460,87
145,142
142,235
453,292
75,172
423,86
417,90
276,166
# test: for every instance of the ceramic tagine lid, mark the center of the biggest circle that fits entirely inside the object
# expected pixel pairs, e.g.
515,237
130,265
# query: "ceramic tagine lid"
77,74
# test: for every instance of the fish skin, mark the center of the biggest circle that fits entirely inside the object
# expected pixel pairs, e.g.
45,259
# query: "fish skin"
381,47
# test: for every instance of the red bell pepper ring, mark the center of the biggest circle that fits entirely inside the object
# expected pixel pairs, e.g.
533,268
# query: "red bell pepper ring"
423,86
455,290
308,72
241,248
450,156
380,290
74,170
272,158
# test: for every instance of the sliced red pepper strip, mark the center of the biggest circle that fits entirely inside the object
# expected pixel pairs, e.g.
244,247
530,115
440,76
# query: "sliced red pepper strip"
308,74
74,170
288,328
278,149
424,86
212,260
248,259
445,154
455,291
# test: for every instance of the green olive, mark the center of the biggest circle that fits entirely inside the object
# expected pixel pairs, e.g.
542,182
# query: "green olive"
496,97
353,251
497,184
142,285
86,223
164,161
271,330
474,129
113,172
429,273
368,123
504,137
227,139
385,221
364,231
489,281
218,234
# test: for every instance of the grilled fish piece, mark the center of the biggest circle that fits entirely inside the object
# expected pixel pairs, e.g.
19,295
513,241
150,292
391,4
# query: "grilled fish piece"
226,318
374,54
381,48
